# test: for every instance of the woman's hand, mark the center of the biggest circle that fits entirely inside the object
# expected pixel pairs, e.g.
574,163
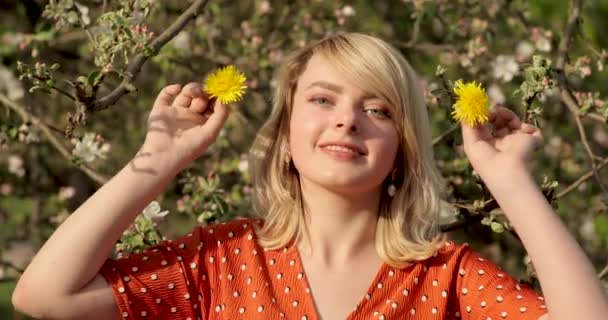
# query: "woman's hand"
183,123
495,154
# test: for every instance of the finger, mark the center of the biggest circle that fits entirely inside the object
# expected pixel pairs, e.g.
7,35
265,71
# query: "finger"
199,105
190,91
167,94
218,117
502,132
528,128
474,134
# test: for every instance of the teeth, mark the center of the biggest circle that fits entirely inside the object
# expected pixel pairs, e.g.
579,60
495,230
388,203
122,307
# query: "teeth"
341,149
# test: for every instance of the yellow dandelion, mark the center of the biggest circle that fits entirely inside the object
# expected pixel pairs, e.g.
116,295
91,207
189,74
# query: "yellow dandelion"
226,84
472,104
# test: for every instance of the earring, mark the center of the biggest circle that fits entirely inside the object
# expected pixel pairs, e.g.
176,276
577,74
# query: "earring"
287,158
392,190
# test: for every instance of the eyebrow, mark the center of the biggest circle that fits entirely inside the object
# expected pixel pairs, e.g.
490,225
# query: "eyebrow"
326,85
336,88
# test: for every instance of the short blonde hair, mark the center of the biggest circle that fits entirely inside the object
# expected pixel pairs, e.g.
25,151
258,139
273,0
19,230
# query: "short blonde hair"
407,228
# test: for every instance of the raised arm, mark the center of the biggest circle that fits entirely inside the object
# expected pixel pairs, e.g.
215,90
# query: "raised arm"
62,281
568,280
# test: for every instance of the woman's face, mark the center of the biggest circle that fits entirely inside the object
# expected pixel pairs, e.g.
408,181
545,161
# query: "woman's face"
341,137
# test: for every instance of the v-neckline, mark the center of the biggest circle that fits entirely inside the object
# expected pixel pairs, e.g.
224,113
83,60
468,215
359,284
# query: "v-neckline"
310,301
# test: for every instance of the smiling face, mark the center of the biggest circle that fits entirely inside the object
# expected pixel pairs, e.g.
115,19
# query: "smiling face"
342,138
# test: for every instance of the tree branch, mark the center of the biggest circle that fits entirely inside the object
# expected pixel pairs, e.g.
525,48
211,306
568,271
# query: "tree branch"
582,179
134,68
30,118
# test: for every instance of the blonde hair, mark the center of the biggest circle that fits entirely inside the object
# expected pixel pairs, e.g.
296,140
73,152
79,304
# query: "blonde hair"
407,227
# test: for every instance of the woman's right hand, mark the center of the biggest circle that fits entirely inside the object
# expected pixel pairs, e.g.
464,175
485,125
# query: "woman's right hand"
183,123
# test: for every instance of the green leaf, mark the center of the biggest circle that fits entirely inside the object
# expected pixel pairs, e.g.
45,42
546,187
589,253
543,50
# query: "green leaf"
497,227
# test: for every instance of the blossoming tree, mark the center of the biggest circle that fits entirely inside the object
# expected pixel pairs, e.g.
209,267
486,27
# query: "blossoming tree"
77,79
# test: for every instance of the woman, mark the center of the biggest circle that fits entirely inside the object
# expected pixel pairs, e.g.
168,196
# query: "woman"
348,197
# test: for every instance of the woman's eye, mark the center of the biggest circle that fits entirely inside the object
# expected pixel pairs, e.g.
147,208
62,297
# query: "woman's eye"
321,101
379,112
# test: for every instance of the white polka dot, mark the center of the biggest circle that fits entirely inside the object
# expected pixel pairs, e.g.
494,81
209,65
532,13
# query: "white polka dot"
181,245
499,298
462,272
304,317
237,251
143,290
224,259
480,272
163,263
406,292
242,310
394,305
480,288
135,269
381,317
174,309
413,311
465,291
522,309
260,308
254,294
121,289
126,278
287,289
503,314
300,275
230,234
519,297
218,308
435,283
153,276
192,265
124,314
272,262
212,259
444,294
483,304
279,276
171,285
380,285
468,309
236,294
295,303
499,287
424,297
243,266
391,273
143,313
434,310
416,280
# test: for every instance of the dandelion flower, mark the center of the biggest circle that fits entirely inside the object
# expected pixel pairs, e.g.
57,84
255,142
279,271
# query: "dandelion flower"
472,103
226,84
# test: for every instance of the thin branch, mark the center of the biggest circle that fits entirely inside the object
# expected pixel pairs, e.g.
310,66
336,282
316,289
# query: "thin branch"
582,179
604,272
30,118
446,133
590,154
134,68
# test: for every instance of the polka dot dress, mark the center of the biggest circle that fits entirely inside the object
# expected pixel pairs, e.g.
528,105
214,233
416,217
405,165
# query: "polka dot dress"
220,272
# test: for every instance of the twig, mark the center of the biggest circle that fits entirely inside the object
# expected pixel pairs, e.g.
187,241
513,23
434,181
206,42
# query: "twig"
30,118
582,179
590,154
135,66
604,272
446,133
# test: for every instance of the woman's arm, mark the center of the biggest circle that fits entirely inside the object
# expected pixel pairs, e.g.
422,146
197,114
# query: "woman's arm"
568,280
570,286
61,282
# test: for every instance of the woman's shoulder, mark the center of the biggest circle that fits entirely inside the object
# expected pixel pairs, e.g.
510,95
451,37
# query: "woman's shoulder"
235,230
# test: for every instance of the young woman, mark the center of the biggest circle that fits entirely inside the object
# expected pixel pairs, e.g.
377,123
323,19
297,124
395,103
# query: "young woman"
348,198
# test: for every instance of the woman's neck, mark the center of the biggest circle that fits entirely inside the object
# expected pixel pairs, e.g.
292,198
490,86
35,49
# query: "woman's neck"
341,227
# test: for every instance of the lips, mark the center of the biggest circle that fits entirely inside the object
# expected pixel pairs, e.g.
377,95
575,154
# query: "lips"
342,147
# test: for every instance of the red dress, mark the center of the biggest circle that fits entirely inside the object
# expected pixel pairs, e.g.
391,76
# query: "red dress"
220,272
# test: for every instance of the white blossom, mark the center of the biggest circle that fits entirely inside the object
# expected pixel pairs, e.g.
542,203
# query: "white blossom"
152,211
15,165
505,67
496,94
66,192
265,7
89,148
243,165
182,41
84,13
10,84
543,44
348,11
524,51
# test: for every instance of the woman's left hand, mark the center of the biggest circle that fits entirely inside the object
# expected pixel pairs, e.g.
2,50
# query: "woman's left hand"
495,154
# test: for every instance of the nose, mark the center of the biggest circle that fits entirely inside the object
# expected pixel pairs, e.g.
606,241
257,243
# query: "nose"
346,119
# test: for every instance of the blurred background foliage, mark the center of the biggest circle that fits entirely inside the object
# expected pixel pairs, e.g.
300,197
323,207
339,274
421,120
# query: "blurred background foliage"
59,139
